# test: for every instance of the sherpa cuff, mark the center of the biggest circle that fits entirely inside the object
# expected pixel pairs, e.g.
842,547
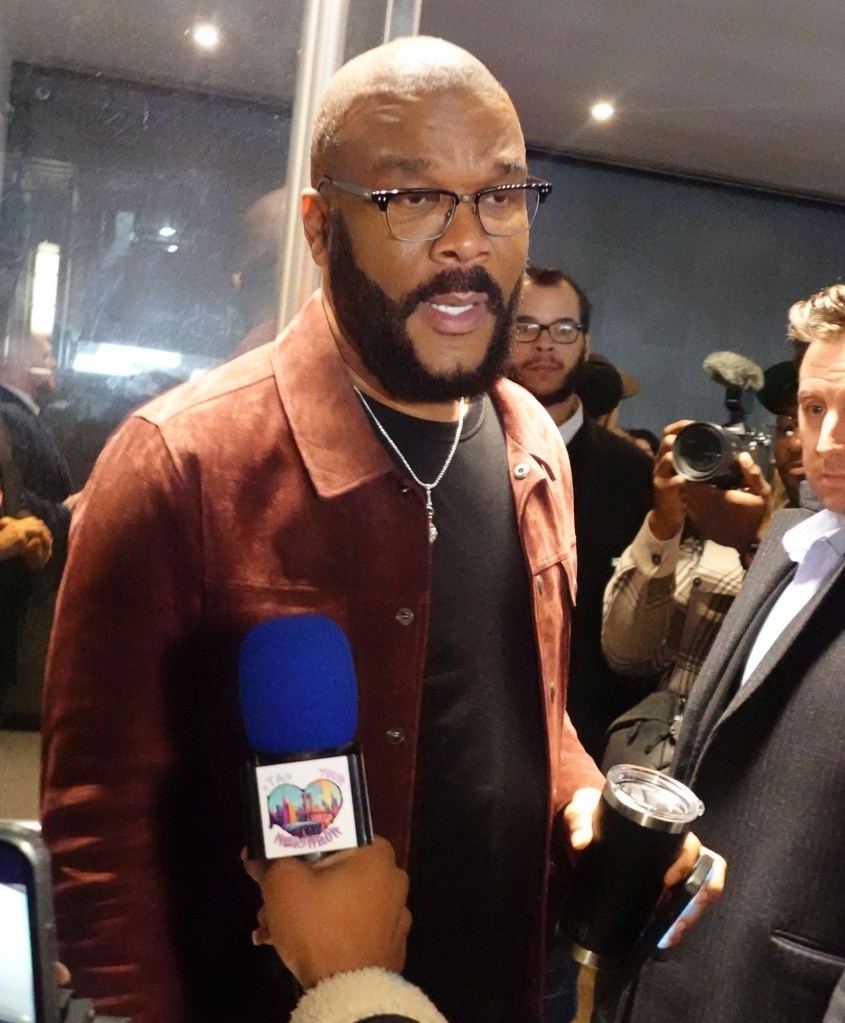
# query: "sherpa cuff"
362,994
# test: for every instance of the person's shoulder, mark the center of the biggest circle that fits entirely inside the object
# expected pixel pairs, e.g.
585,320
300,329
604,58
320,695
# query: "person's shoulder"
782,521
13,408
20,421
230,385
620,448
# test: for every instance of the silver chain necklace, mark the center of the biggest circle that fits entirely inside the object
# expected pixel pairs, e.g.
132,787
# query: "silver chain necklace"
427,487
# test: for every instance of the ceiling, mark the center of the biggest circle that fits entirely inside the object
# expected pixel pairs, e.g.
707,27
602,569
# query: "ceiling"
751,91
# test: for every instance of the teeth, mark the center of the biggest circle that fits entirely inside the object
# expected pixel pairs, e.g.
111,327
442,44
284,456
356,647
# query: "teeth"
451,310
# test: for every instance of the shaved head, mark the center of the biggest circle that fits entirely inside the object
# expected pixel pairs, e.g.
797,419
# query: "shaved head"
402,69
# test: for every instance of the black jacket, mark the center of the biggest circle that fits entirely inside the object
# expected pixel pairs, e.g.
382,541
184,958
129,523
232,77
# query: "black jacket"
611,478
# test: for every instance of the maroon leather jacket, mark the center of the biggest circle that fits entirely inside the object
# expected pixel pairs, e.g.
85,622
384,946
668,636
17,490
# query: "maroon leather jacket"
255,491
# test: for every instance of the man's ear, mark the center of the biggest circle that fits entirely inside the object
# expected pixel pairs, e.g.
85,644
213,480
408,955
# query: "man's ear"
586,346
315,223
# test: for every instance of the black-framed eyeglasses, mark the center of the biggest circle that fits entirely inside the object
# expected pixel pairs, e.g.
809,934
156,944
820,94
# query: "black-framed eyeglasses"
564,331
423,214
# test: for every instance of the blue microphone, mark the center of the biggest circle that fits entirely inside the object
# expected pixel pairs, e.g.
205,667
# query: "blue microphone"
304,788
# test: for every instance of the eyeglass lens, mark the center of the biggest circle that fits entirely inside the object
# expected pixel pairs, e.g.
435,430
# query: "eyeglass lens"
422,215
562,332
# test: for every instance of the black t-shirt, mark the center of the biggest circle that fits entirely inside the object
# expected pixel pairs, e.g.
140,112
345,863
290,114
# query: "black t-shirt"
480,798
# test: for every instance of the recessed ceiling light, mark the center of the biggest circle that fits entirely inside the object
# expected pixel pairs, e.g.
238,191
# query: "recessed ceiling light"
206,35
172,248
602,111
167,231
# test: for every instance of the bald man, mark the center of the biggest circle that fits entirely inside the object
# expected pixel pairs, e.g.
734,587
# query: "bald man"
372,466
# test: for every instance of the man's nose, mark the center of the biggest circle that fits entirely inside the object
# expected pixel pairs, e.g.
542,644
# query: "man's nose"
544,340
464,240
832,433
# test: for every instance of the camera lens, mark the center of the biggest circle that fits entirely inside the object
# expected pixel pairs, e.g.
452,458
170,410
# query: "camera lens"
702,452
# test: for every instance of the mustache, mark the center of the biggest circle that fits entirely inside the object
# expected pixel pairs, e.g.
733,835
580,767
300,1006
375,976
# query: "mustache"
531,363
475,279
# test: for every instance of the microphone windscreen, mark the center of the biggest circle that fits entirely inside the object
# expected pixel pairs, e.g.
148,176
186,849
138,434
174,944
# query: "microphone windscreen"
298,690
734,370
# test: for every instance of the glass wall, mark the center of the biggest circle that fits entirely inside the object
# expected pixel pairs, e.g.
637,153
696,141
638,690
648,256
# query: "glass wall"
160,209
140,226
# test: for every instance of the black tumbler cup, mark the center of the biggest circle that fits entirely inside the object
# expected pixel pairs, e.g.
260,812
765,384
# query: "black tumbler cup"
638,831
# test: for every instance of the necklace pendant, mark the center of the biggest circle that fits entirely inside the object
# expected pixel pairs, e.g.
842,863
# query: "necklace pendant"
429,507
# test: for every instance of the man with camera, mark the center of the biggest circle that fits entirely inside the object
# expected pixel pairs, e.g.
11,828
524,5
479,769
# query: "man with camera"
761,745
670,593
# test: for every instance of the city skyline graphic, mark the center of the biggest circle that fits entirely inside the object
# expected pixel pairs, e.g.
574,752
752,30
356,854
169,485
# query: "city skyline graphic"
304,812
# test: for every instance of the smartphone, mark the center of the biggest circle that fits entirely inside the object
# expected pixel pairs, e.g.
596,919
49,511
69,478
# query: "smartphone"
671,908
28,987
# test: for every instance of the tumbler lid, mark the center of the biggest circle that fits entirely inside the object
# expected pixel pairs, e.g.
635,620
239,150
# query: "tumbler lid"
651,799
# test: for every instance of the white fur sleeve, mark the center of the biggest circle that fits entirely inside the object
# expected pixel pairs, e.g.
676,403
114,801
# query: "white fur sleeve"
351,997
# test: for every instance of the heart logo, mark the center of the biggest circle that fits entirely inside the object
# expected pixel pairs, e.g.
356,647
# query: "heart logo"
304,812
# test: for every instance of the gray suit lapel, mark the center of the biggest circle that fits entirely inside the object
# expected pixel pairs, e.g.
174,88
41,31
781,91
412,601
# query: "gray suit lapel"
728,697
714,688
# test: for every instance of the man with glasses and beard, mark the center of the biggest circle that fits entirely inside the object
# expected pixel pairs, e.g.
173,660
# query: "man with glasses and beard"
611,479
369,465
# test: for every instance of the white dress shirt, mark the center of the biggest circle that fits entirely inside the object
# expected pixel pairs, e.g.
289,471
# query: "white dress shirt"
571,426
817,545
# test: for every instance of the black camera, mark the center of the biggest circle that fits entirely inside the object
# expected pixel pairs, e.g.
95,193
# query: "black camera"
706,453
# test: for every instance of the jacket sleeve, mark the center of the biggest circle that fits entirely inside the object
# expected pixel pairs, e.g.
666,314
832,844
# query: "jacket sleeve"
365,995
129,595
636,635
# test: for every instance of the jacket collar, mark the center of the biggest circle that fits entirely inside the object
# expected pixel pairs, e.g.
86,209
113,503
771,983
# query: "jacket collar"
18,397
329,426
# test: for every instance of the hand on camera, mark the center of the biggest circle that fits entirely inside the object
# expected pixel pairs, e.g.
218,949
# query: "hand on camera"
669,511
733,518
344,912
736,517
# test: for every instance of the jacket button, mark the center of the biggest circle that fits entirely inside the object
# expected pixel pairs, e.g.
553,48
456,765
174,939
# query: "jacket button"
521,470
656,559
696,581
404,616
395,736
540,584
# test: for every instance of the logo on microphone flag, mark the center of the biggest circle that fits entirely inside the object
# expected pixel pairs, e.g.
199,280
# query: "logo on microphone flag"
306,807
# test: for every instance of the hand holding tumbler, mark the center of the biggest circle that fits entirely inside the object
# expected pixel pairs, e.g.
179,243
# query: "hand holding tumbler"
638,831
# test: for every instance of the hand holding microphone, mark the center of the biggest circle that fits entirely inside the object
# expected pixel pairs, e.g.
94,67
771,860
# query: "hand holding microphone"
346,912
304,796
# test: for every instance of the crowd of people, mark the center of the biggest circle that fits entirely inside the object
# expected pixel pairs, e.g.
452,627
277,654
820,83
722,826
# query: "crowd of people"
431,455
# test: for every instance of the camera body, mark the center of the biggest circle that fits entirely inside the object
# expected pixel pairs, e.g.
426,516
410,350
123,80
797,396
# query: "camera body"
707,453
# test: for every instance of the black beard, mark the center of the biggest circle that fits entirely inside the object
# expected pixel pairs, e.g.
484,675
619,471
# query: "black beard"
376,325
566,389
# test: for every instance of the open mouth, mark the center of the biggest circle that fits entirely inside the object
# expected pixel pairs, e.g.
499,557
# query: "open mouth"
456,312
